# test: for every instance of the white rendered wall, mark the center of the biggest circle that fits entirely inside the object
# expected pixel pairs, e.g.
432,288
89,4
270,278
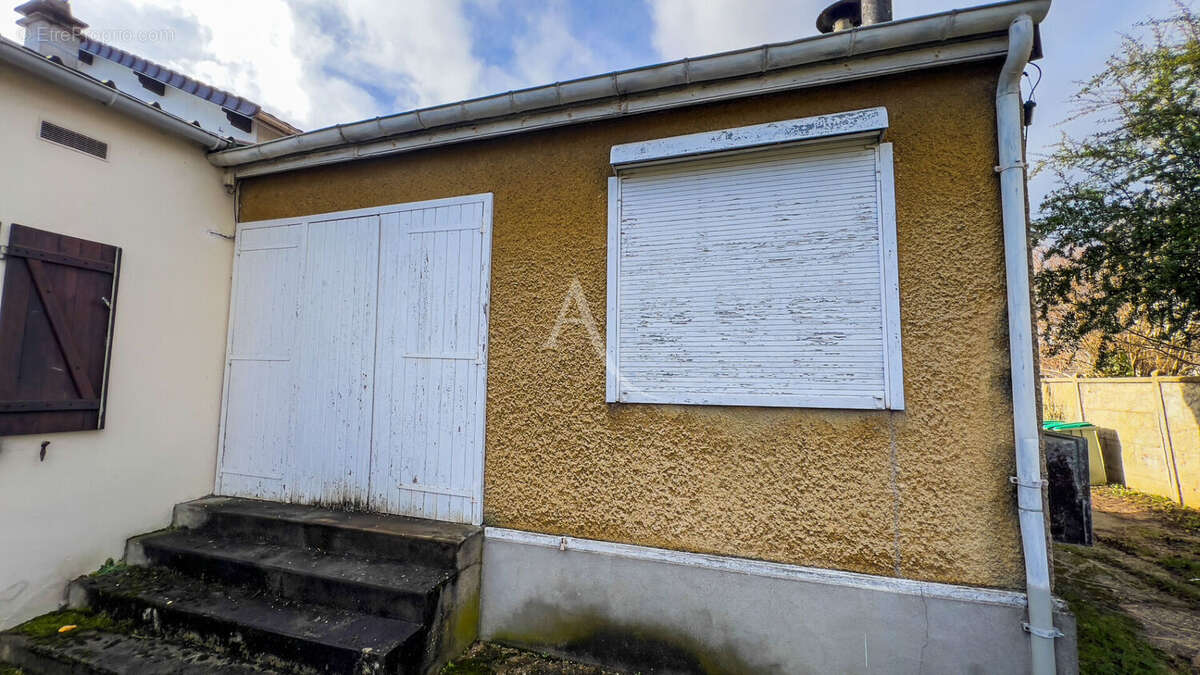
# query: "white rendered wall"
156,197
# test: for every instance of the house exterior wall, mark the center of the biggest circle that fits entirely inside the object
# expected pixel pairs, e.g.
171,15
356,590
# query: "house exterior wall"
921,494
156,197
638,610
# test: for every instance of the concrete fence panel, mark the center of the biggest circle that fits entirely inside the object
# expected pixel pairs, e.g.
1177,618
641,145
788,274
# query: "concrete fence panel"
1150,428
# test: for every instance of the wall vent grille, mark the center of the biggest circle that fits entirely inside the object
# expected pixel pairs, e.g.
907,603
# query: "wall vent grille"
75,140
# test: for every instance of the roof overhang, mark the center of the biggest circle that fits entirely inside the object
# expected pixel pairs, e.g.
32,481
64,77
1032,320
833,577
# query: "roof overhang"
184,83
71,79
959,36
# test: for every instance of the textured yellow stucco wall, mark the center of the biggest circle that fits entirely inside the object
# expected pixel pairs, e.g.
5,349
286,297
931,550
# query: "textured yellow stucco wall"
921,494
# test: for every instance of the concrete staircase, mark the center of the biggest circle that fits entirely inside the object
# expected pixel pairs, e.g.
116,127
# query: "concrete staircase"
260,586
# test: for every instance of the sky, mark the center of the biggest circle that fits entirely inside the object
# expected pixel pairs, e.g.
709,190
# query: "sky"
321,62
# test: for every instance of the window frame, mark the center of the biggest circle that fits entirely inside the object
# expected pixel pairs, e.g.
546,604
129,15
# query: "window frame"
871,122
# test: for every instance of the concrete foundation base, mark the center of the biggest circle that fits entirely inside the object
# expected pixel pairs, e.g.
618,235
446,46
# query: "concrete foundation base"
658,611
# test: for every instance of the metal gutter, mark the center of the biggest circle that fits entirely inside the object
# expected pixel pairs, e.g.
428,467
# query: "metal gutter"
870,51
32,62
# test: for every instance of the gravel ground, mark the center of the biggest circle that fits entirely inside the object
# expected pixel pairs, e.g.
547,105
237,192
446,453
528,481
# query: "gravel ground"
485,657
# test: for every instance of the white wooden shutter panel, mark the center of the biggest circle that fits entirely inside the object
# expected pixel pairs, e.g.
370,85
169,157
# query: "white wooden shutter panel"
758,278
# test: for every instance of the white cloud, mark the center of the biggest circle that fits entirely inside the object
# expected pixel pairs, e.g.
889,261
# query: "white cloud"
694,28
312,62
251,51
690,28
1077,37
543,51
322,62
419,49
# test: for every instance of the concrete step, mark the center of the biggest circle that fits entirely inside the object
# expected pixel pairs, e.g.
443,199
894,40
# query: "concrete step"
371,535
253,625
390,588
103,653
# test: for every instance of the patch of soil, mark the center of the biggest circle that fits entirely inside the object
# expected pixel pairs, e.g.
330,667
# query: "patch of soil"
1136,593
485,658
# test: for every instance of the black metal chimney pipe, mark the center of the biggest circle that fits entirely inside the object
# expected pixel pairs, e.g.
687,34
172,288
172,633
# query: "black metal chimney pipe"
876,11
847,14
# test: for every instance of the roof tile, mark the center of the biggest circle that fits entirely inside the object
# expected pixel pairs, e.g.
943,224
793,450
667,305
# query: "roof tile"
176,79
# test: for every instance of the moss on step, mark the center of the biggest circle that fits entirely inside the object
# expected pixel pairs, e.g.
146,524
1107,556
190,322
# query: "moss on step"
48,626
10,670
109,567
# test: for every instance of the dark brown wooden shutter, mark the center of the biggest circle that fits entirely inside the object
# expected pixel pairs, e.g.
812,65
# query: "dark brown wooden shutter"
56,318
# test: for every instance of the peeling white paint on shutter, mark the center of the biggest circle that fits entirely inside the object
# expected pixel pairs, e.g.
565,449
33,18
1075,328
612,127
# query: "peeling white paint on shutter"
259,370
756,278
334,365
431,348
861,123
358,358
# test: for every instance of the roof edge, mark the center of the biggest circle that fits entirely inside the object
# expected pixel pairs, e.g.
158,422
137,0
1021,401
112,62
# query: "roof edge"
895,37
277,123
172,78
30,61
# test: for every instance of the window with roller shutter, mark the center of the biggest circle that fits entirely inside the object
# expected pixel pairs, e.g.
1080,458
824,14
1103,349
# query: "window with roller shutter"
756,266
56,323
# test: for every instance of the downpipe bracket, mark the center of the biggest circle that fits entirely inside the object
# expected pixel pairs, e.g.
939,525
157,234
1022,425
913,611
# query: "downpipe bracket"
1030,493
1046,634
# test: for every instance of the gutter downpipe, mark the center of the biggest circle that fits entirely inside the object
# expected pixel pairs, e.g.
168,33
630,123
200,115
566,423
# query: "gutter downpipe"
1029,481
81,84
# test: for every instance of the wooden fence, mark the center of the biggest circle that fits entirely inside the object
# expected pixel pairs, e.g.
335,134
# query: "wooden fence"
1149,428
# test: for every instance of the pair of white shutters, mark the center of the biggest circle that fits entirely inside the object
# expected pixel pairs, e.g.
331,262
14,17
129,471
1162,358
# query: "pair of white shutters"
357,359
756,277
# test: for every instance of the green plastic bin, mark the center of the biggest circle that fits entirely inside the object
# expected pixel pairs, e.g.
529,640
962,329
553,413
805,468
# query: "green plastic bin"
1096,473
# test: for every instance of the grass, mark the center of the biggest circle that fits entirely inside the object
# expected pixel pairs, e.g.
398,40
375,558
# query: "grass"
1166,584
1142,569
1179,516
1187,567
1110,642
10,670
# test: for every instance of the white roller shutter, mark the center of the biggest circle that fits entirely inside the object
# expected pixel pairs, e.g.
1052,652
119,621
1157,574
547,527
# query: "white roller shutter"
761,277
